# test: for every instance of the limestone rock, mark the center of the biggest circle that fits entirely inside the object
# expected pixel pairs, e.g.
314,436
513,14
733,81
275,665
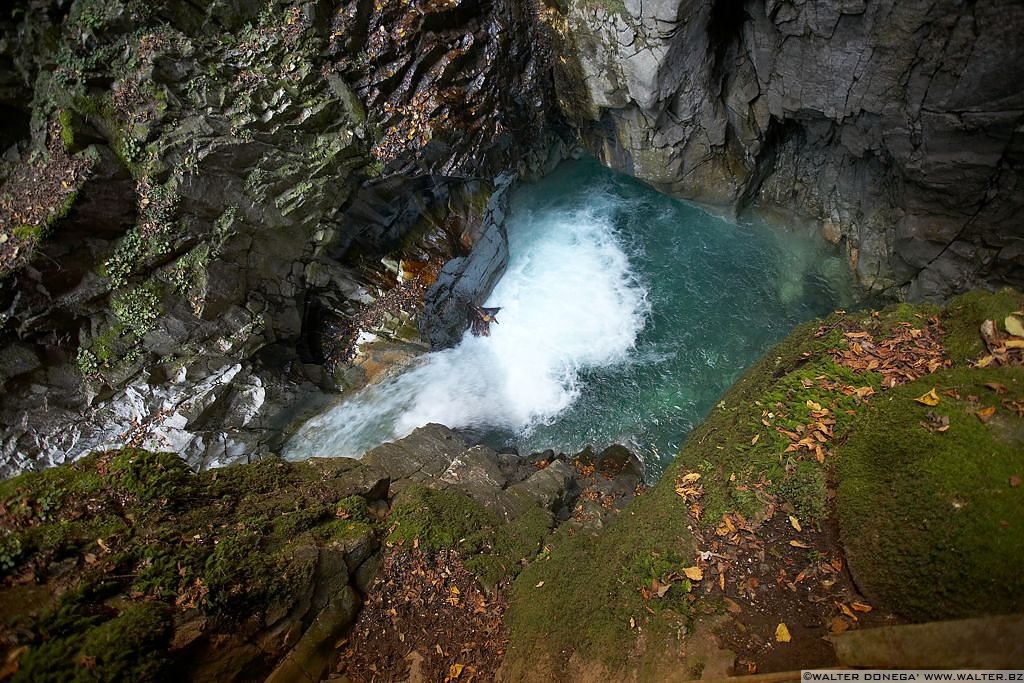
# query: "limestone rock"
894,122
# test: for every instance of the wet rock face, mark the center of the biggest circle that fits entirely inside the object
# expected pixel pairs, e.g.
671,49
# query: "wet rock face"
466,281
455,87
895,123
248,161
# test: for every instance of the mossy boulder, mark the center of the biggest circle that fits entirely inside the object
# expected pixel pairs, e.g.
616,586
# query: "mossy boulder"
124,551
493,549
933,521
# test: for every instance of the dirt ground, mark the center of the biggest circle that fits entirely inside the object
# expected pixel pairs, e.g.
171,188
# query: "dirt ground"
425,619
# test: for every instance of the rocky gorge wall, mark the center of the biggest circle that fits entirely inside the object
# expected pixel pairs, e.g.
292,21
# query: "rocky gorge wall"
208,211
894,127
206,206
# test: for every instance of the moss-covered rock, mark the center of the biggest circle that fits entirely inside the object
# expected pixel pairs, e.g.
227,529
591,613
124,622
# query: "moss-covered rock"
964,315
584,592
136,546
932,525
930,521
492,549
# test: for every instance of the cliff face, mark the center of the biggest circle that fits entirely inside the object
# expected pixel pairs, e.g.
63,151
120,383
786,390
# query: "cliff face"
204,205
896,126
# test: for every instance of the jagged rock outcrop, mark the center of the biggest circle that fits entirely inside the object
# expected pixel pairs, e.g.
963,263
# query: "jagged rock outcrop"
893,126
465,282
238,189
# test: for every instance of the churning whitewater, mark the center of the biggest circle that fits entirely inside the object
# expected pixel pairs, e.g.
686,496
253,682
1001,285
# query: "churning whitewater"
570,302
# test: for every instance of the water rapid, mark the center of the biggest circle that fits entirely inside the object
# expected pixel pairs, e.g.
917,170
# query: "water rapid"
624,315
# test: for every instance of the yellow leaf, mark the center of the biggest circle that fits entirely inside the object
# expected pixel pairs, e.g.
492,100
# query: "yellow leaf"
1014,325
539,584
985,414
847,611
454,672
985,361
455,591
1014,343
812,405
929,399
799,544
861,606
864,392
795,523
689,478
782,634
693,573
754,440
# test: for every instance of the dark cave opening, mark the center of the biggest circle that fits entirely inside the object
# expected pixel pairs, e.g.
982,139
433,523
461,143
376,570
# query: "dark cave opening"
725,28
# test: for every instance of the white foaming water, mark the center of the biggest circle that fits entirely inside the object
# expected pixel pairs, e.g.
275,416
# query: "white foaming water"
569,302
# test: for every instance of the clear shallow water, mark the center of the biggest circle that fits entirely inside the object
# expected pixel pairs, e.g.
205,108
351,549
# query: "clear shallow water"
625,315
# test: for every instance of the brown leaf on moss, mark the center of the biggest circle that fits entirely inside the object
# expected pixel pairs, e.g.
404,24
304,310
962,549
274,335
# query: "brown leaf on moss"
996,387
986,413
1015,480
693,573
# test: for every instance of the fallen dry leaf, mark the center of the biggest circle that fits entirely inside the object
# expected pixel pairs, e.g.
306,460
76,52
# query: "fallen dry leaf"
839,625
754,440
1015,480
988,332
812,405
1014,325
690,478
798,544
539,584
996,387
782,634
929,399
986,413
936,423
693,573
795,523
861,606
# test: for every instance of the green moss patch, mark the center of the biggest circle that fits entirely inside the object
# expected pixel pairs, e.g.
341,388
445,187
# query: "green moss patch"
582,593
491,549
744,456
131,538
964,315
130,646
930,521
